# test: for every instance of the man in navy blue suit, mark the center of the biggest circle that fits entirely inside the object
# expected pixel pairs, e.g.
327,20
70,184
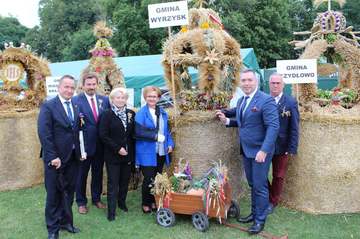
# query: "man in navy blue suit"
257,119
288,138
58,133
91,106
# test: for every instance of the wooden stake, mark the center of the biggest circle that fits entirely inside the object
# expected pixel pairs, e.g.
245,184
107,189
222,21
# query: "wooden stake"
172,79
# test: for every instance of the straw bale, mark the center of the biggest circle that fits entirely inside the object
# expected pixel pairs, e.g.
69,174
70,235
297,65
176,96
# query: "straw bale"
313,51
20,165
202,140
351,55
206,46
324,177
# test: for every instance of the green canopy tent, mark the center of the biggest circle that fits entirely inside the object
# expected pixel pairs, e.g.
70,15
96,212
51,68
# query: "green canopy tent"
141,71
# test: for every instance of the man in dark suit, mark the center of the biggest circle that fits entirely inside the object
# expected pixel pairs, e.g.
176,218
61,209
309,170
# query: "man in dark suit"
58,133
91,106
287,140
257,119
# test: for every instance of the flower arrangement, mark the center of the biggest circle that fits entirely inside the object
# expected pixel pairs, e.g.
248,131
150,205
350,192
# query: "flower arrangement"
343,97
196,100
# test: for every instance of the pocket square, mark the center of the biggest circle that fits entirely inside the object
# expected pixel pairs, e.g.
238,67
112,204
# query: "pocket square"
255,109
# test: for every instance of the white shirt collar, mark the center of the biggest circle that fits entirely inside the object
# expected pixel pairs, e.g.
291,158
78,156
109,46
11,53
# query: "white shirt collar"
63,100
251,95
89,97
277,98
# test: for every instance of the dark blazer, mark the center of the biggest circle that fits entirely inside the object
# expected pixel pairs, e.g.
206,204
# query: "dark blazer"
57,135
114,137
91,126
259,126
288,138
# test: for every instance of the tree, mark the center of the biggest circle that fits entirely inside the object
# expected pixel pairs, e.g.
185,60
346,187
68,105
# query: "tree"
132,35
82,42
11,31
59,20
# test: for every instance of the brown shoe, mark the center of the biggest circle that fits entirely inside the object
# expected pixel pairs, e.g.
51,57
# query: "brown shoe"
83,210
100,205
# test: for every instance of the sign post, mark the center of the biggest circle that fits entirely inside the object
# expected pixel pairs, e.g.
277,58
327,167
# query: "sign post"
298,72
167,15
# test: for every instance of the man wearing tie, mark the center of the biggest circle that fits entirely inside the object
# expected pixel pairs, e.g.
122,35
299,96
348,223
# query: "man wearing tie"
58,133
287,140
91,106
257,119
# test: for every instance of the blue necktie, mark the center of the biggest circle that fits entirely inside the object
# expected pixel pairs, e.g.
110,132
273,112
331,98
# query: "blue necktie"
69,113
242,109
244,105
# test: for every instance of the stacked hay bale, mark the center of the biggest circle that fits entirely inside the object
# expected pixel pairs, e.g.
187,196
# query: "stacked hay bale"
200,138
20,165
324,176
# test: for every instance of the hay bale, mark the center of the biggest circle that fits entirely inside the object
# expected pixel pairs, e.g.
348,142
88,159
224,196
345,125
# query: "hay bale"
203,140
324,177
20,165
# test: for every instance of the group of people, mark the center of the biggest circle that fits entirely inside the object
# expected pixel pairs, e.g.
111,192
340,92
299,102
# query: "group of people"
114,134
268,133
111,133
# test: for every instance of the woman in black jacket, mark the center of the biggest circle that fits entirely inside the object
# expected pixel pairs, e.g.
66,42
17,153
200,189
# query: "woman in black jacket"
116,131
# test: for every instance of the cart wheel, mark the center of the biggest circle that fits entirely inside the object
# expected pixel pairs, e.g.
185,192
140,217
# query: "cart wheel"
200,221
234,210
165,217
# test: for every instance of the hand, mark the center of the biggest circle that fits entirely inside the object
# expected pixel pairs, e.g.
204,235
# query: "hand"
170,149
56,163
260,156
160,138
123,151
221,116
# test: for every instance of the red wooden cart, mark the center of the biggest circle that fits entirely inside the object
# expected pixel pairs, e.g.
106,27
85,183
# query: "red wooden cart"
182,203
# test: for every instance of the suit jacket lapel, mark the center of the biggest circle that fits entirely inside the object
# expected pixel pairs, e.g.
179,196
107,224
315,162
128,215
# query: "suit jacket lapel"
99,102
61,110
281,101
252,103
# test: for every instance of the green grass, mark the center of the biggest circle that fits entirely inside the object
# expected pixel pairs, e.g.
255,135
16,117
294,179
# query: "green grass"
22,216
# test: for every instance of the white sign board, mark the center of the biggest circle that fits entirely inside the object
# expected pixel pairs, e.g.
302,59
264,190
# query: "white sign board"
168,14
52,86
298,71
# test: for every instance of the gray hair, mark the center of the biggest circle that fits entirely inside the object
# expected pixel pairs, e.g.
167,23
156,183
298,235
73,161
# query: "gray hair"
116,91
276,74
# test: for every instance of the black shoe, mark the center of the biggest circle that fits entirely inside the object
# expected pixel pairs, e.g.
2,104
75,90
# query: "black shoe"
70,228
270,209
53,235
111,218
256,228
247,219
124,208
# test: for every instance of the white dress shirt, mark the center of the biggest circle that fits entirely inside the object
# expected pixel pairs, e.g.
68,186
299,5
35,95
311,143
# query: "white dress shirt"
88,97
65,107
277,98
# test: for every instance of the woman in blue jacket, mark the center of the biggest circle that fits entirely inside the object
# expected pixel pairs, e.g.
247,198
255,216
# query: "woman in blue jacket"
153,143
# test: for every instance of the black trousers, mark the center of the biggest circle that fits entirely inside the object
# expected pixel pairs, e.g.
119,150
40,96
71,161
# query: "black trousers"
97,164
59,198
118,176
149,173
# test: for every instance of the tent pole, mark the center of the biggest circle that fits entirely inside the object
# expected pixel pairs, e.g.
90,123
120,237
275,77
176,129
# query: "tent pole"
172,79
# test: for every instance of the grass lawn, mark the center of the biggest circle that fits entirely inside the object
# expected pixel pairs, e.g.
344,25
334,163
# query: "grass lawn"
22,217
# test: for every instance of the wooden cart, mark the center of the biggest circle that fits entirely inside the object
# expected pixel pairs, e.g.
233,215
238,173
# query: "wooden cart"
181,203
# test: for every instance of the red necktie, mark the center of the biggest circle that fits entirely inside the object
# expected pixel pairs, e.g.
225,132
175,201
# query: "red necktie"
93,107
